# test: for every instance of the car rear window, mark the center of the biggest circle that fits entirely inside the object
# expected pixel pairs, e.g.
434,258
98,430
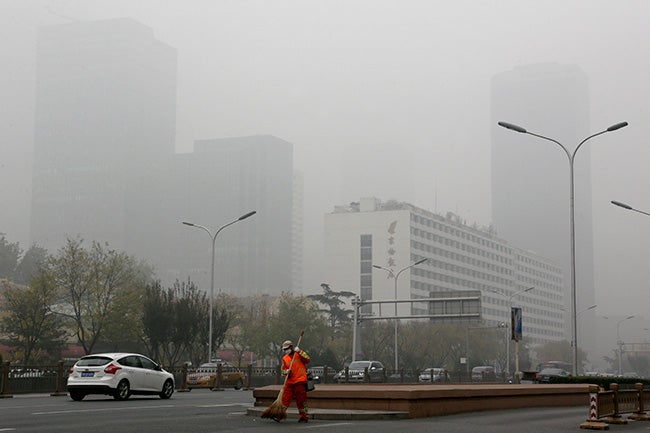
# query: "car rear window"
93,361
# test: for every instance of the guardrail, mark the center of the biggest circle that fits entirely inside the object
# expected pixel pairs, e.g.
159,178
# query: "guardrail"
18,379
608,407
25,379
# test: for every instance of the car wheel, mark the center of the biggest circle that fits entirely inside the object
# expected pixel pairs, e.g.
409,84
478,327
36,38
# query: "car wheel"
122,391
77,396
239,384
167,390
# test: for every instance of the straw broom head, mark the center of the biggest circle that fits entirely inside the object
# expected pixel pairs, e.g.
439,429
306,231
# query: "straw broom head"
276,411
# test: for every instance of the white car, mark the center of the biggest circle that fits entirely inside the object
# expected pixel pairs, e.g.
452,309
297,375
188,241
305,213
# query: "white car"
435,374
120,375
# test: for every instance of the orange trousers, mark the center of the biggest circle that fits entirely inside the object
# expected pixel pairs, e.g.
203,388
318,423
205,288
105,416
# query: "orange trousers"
299,392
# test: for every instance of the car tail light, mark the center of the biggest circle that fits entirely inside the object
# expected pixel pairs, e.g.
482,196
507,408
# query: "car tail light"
112,369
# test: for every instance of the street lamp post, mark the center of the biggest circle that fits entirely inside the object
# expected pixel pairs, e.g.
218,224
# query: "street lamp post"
619,342
395,277
509,310
571,157
584,310
628,207
214,238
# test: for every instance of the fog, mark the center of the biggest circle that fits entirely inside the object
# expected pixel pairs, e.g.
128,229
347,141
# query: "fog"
380,98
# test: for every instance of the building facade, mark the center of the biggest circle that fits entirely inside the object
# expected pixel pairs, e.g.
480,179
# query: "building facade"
105,167
218,182
364,237
104,133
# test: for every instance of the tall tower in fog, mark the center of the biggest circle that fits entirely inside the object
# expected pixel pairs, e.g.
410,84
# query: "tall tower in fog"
221,180
104,129
530,176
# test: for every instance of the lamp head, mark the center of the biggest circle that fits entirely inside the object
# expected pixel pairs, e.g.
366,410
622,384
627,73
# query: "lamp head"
512,127
249,214
623,205
617,126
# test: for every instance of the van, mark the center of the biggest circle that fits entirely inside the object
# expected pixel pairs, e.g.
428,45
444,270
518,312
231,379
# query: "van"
483,373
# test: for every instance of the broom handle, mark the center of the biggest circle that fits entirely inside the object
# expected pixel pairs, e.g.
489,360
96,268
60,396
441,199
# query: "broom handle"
292,359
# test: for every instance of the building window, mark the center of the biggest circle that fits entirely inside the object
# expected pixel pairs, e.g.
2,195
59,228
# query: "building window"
365,270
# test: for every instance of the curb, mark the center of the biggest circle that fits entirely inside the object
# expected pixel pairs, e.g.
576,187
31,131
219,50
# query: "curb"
337,414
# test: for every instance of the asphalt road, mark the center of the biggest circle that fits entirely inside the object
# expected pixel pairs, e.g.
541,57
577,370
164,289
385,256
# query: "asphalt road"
203,411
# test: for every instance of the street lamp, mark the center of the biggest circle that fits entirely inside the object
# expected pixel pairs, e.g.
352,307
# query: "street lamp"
587,309
571,157
214,238
509,310
620,342
628,207
395,277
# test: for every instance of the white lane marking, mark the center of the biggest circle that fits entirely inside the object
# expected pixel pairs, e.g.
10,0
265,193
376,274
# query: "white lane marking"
337,424
101,410
7,429
30,405
224,405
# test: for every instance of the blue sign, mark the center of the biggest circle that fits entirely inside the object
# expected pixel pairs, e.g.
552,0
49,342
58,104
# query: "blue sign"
515,323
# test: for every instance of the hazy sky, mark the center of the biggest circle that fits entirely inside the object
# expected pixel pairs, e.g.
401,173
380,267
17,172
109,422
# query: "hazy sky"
388,98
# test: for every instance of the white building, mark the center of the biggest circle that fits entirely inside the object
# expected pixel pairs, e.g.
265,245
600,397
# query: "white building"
394,235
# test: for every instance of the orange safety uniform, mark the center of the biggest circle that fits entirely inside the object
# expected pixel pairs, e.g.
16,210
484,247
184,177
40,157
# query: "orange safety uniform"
296,383
298,368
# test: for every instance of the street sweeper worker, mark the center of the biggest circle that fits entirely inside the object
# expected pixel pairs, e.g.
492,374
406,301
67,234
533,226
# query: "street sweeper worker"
296,381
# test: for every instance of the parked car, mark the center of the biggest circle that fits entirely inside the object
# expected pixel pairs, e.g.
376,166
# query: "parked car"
318,374
483,373
120,375
206,374
547,374
357,372
434,374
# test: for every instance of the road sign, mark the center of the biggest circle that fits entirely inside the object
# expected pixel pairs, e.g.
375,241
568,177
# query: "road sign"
515,323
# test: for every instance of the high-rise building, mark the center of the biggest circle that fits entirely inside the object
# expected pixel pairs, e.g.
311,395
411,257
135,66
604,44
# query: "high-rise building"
105,168
218,182
104,133
460,259
297,228
530,176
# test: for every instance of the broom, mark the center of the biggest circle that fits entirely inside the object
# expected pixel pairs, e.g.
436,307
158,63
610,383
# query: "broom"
277,411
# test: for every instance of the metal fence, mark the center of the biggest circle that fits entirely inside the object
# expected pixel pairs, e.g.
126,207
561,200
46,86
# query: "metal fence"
608,406
19,379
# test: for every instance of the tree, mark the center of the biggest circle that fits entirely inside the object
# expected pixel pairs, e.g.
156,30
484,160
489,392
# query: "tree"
254,323
429,344
377,341
339,318
559,351
30,325
30,263
296,314
91,283
9,255
173,321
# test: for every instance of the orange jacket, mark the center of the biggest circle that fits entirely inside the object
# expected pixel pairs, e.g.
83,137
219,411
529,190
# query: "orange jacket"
298,368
